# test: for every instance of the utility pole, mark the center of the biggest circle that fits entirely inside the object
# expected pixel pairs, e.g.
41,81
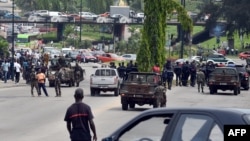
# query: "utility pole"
183,3
80,39
13,40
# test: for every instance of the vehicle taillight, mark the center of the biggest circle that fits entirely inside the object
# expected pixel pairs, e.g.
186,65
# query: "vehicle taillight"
116,80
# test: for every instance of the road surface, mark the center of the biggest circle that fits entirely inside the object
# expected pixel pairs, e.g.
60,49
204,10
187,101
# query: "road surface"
26,118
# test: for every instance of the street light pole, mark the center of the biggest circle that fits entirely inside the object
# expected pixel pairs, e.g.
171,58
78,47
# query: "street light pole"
12,41
183,3
80,39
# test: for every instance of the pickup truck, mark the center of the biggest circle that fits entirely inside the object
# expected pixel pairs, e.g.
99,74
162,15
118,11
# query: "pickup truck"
105,79
224,78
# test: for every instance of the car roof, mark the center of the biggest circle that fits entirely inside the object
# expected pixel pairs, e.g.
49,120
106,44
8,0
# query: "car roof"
219,112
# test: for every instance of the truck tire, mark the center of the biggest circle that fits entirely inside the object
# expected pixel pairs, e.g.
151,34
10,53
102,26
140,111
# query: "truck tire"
92,91
246,88
132,105
97,92
235,91
211,90
116,92
124,106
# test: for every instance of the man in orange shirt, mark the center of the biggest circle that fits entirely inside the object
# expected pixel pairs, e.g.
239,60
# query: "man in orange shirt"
41,82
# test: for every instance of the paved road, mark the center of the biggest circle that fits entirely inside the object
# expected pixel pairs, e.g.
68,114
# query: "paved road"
29,118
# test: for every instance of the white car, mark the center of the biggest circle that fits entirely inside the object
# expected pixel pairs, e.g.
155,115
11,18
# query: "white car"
36,18
88,15
196,58
129,57
122,18
140,15
59,19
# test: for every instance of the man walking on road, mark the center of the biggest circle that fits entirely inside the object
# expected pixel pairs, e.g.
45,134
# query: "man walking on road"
18,69
79,117
5,67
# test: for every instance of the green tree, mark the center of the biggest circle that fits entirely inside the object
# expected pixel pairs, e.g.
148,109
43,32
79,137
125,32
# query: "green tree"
153,33
4,48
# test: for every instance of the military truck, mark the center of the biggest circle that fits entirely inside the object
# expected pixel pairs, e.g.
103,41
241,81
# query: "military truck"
67,71
224,78
139,88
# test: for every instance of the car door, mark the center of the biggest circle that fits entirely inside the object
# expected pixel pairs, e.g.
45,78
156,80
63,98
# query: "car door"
197,127
143,128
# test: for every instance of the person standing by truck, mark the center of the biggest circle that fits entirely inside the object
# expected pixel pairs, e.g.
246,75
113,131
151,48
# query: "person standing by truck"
58,76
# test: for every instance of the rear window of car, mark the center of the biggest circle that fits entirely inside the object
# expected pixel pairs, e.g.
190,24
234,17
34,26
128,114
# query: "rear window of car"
105,72
225,71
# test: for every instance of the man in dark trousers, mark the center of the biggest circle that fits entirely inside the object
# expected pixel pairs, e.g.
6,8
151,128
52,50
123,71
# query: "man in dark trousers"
79,117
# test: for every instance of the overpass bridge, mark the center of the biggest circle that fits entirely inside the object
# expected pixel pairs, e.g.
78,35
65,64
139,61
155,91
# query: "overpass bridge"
118,26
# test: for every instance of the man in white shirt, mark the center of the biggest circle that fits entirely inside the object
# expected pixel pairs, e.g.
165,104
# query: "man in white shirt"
18,69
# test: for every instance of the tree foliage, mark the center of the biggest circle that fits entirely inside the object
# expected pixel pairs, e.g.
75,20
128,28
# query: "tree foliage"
3,48
152,49
235,12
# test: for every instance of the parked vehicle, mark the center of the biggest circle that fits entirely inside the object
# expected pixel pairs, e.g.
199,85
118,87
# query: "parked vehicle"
244,55
139,88
3,12
180,124
244,76
119,18
88,57
104,79
218,58
76,17
105,14
88,15
10,15
42,12
73,55
224,78
140,15
36,18
109,57
129,57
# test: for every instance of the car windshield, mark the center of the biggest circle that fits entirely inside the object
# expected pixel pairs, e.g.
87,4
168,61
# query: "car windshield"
141,78
105,72
224,71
